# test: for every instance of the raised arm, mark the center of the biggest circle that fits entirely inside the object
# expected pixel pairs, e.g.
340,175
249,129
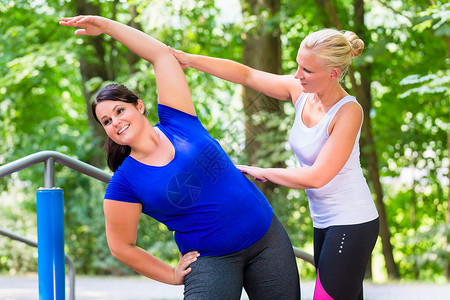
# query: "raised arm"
172,86
282,87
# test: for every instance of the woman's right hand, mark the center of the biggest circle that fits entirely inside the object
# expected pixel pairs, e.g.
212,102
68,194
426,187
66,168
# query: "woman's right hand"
182,57
182,268
92,25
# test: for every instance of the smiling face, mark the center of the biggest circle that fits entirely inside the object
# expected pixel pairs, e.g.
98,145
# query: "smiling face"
312,73
123,122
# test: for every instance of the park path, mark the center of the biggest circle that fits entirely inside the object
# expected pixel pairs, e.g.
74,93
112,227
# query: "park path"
138,288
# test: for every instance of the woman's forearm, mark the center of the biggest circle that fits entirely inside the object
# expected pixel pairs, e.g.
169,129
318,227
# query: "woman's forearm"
295,178
223,68
272,85
146,264
137,41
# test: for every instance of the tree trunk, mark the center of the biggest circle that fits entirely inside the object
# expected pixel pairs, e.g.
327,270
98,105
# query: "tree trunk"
262,50
92,64
131,57
370,155
362,91
328,13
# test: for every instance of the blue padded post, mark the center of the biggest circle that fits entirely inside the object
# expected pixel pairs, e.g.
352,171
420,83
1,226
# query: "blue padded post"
50,230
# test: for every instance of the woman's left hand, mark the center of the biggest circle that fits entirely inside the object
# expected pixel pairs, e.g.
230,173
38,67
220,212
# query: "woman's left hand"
182,268
256,172
92,25
182,57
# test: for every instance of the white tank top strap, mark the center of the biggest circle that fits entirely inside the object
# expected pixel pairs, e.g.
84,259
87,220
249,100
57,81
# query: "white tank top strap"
300,101
340,103
333,111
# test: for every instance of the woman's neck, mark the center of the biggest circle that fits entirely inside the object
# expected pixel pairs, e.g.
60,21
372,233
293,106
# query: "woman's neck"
156,150
329,97
147,143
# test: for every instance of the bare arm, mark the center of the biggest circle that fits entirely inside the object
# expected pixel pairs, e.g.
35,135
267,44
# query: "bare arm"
330,161
172,86
121,227
282,87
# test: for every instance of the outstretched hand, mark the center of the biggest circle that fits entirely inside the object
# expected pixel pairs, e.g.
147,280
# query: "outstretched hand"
182,57
256,172
182,268
92,25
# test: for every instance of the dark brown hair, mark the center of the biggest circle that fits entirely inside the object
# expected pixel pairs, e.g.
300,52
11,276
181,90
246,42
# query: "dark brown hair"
115,153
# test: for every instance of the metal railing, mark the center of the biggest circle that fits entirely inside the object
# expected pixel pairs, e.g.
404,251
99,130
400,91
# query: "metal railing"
69,262
299,253
50,158
50,221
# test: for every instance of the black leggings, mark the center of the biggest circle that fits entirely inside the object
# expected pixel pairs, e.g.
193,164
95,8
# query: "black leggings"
341,254
267,270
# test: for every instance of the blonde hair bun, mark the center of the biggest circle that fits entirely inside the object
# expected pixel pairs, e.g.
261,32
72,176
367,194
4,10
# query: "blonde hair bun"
356,44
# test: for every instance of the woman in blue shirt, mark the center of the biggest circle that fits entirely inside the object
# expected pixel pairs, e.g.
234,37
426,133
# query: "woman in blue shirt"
178,174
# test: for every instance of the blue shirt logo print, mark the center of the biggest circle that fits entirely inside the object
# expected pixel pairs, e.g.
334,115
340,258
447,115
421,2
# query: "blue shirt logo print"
184,190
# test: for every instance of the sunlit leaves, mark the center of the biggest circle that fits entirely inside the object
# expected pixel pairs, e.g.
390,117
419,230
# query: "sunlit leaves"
437,18
428,84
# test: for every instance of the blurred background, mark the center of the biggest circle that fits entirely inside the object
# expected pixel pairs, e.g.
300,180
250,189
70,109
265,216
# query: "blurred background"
48,77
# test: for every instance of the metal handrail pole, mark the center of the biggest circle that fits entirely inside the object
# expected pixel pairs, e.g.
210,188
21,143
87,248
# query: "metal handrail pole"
69,262
84,168
49,173
299,253
22,163
60,158
71,267
17,237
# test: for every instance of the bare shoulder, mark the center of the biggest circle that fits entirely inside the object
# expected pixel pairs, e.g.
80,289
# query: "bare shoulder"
348,117
350,108
293,86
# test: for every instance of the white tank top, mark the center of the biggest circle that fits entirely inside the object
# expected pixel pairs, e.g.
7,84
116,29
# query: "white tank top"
346,199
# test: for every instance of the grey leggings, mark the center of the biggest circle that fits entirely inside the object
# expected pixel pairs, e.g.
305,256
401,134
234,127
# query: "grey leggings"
267,270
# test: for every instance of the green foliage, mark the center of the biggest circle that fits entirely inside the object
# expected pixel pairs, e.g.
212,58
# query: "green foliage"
411,121
16,216
42,107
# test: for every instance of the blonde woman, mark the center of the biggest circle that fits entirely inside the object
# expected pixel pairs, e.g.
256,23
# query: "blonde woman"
325,138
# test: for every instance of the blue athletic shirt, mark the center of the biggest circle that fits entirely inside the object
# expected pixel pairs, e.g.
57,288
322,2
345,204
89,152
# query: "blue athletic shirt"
200,195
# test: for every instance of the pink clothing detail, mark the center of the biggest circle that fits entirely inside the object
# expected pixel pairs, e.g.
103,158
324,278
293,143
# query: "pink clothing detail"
319,292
